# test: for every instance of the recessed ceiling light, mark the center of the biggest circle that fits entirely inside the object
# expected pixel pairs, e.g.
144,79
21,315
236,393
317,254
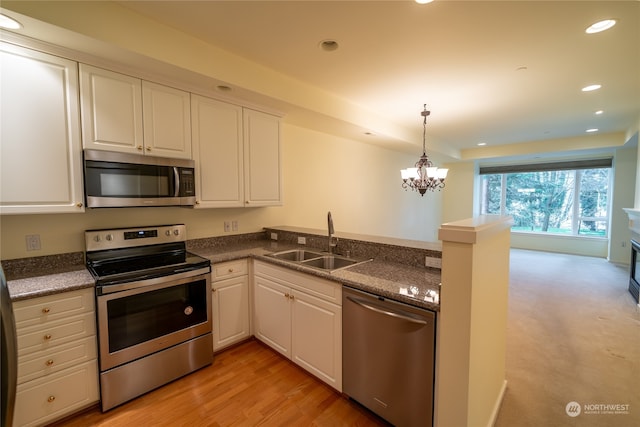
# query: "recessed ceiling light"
592,130
423,1
591,87
600,26
599,112
482,144
329,45
9,23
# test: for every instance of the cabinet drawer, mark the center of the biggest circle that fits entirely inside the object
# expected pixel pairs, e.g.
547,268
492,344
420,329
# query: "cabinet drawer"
316,286
41,363
38,311
229,269
56,395
44,337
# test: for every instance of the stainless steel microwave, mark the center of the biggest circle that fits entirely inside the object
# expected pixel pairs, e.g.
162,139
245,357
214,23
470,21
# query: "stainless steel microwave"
117,180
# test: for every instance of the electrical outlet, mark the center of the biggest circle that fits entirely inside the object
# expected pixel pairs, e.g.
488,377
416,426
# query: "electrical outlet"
432,262
234,225
302,240
227,226
33,242
274,236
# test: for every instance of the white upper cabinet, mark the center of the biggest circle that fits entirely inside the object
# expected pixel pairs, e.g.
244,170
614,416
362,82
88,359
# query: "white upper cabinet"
237,154
262,159
111,105
217,151
40,146
166,115
125,114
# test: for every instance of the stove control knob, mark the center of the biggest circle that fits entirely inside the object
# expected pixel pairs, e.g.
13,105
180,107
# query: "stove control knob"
176,232
109,237
168,232
97,238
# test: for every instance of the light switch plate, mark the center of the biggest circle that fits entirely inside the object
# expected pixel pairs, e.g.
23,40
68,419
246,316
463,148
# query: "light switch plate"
302,240
274,236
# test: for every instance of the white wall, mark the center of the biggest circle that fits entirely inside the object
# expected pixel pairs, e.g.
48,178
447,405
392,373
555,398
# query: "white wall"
359,183
459,194
624,188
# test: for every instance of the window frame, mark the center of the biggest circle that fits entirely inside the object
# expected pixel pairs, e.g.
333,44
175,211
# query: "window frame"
577,169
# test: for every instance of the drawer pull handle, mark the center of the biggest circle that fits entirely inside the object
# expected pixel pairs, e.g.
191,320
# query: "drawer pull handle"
291,297
286,295
47,337
231,270
51,399
46,310
49,362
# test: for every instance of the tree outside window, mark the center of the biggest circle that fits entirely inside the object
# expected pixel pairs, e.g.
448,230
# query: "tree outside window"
570,202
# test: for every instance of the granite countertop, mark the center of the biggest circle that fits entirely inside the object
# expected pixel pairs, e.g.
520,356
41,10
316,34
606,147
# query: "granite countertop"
48,282
412,285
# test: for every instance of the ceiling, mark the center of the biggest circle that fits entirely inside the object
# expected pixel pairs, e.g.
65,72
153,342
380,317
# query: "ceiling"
497,72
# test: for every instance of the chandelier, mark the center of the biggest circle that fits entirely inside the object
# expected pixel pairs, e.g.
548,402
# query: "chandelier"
424,176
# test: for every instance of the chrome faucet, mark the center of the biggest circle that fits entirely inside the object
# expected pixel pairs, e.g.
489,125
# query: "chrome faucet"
332,243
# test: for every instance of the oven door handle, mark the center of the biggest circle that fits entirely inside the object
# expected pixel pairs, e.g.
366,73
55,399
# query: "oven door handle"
142,284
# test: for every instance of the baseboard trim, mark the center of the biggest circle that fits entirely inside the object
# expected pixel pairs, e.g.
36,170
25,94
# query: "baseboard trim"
497,405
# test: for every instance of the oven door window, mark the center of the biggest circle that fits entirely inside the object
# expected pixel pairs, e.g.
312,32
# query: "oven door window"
145,316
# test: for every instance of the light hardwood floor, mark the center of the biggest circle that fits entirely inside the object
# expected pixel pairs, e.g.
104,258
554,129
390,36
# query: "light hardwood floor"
247,385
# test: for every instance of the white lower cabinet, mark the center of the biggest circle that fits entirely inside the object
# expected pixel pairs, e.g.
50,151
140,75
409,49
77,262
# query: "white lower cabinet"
230,302
300,316
57,357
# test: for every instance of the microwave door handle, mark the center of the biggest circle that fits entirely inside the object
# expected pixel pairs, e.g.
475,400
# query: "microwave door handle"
176,177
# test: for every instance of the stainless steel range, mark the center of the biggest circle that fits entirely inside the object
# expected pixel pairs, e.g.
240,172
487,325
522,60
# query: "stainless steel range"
153,307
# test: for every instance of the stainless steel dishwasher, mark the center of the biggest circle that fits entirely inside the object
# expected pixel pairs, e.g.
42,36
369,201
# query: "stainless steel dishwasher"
388,357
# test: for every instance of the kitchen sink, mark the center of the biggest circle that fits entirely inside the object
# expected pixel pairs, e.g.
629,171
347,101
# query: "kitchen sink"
296,255
319,260
330,262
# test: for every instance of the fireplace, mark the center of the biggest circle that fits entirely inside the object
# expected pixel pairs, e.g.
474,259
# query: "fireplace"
634,278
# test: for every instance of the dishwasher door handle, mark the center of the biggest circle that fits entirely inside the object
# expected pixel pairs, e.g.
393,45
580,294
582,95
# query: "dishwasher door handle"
386,312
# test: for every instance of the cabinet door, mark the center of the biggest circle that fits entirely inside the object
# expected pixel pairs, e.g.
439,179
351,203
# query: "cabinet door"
273,315
317,337
230,311
167,121
217,151
41,161
262,163
111,105
54,396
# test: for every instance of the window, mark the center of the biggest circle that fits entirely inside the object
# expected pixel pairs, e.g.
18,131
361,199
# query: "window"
569,198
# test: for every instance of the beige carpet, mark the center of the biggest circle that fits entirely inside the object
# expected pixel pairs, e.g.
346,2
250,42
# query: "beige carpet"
573,335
